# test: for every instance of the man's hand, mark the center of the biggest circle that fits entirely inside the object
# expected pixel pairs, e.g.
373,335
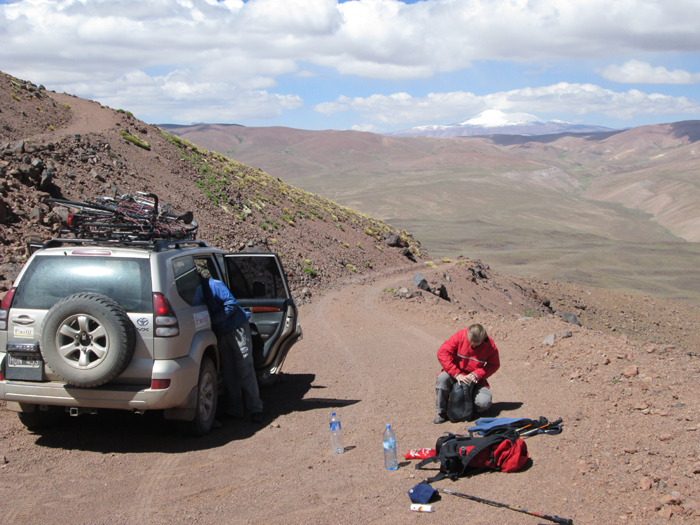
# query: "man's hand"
466,378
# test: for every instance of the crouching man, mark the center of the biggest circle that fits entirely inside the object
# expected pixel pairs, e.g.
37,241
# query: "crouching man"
469,356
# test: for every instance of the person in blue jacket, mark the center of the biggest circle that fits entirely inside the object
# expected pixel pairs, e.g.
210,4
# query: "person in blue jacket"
230,324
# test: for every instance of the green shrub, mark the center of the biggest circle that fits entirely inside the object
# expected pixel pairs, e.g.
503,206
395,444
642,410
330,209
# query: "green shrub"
309,271
135,140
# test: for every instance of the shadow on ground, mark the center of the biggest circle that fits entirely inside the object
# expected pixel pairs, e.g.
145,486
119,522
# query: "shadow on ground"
504,406
126,432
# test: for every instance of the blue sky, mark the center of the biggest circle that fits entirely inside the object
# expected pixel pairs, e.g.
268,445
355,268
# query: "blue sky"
374,65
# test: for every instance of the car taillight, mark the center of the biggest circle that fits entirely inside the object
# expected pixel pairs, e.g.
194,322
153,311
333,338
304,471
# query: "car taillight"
5,307
160,384
165,318
71,220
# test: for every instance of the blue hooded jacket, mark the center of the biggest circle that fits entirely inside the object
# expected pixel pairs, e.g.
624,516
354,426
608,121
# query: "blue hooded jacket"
226,314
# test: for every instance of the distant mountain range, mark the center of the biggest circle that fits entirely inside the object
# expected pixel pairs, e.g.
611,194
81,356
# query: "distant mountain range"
496,122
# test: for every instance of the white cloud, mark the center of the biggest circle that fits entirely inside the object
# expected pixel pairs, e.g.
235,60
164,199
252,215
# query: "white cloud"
365,127
578,99
247,46
185,100
637,72
374,38
305,74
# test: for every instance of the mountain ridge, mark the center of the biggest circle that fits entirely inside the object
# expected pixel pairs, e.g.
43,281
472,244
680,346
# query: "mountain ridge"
496,122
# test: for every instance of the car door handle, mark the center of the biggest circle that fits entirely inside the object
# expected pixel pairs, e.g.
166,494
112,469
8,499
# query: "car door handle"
23,320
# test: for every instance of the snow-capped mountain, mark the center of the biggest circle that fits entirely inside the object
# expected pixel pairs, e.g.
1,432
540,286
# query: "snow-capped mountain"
497,122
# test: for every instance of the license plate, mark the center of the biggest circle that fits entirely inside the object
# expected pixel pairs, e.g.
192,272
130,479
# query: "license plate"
24,361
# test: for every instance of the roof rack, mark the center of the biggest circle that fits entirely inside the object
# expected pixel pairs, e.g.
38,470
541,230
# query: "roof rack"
162,246
157,246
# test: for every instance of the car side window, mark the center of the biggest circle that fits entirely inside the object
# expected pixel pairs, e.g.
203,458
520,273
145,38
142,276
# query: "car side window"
186,278
207,267
255,277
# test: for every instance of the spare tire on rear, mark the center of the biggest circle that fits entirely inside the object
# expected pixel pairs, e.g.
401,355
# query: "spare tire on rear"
87,339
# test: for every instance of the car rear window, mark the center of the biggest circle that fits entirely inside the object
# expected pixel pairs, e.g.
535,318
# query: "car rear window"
50,279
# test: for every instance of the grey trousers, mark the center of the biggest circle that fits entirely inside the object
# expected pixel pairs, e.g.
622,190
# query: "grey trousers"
443,387
236,355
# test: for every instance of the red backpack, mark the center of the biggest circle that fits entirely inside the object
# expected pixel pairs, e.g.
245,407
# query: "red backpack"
466,455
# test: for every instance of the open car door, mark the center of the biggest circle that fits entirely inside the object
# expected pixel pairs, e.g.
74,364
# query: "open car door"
259,284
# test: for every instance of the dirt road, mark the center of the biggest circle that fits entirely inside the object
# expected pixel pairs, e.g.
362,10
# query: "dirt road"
372,360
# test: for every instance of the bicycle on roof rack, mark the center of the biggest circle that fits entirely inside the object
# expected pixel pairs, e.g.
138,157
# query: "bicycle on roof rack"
127,218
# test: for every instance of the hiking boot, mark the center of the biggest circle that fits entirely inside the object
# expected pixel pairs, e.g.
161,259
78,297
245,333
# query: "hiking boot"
440,418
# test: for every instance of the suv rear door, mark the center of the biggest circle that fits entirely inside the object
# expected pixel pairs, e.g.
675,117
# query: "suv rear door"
259,284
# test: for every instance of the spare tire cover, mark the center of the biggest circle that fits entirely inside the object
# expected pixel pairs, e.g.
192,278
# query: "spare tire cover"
87,339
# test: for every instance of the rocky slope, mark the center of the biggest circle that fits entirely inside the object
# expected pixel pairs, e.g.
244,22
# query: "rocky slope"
60,146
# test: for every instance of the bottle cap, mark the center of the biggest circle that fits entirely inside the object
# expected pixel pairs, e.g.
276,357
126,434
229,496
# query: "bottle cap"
388,425
332,413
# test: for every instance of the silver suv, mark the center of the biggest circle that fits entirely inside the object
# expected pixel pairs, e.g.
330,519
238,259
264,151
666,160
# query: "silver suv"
102,324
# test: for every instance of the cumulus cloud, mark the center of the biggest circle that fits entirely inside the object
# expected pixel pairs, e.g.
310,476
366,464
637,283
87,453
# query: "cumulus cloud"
577,99
374,38
365,127
186,99
247,46
637,72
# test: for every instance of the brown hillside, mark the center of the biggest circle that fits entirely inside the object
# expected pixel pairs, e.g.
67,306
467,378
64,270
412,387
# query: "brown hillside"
61,146
613,210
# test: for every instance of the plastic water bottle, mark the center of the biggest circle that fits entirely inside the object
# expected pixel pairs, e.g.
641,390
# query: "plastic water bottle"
336,435
389,441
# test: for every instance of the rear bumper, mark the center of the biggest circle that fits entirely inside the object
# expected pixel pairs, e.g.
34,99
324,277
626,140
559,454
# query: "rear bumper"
183,374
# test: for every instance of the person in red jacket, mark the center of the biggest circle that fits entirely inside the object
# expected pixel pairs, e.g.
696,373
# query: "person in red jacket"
469,356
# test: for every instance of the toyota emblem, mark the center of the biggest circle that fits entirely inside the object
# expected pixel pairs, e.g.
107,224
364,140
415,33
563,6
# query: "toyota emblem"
142,321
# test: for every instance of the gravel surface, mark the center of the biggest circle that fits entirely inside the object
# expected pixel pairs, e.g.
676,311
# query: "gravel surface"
628,454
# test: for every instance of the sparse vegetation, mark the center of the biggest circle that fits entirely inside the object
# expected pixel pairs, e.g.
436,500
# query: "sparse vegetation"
222,179
430,264
135,140
309,271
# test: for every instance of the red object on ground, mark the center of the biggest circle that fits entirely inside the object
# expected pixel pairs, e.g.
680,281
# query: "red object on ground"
420,453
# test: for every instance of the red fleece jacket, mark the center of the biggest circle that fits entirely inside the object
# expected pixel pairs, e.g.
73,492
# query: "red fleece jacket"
457,356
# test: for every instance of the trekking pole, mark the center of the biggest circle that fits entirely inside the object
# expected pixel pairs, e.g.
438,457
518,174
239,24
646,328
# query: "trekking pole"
553,424
555,519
